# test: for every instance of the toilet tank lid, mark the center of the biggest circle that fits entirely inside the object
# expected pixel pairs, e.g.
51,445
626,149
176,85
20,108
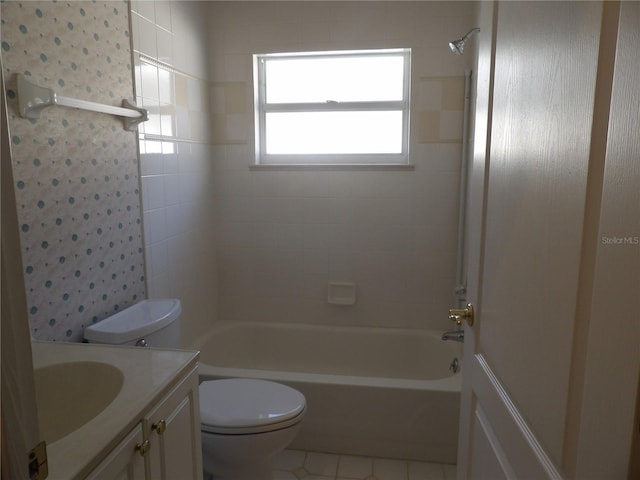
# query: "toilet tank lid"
134,322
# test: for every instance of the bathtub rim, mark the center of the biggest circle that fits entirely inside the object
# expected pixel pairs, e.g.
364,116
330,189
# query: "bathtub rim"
452,383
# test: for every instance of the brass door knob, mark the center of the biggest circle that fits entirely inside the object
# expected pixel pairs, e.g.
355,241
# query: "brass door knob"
459,314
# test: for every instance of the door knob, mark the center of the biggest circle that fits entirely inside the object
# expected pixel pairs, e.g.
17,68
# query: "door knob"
459,314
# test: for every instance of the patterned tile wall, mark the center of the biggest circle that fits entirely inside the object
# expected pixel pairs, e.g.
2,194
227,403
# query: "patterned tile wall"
76,172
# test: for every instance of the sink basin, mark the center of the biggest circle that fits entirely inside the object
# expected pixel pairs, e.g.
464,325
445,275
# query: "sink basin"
68,395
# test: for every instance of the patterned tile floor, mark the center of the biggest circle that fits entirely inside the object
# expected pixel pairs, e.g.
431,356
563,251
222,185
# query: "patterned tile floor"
300,465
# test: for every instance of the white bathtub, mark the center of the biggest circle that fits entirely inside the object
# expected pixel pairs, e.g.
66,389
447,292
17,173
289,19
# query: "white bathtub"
370,391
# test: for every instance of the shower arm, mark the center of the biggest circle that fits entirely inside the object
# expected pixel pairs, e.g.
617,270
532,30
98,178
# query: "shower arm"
470,33
457,46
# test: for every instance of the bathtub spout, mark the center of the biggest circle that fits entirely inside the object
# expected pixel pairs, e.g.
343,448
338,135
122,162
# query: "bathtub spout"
455,335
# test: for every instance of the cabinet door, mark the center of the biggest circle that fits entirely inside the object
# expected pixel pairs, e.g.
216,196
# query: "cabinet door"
174,433
125,462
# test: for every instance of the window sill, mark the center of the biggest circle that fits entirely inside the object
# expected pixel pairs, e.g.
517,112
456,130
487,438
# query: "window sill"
333,167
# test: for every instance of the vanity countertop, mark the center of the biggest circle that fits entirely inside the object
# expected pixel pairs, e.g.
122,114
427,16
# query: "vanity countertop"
149,374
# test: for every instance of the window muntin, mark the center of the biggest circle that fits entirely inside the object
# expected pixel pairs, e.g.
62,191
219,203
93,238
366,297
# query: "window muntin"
333,107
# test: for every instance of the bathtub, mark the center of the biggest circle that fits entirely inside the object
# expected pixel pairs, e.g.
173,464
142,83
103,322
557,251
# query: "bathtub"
370,391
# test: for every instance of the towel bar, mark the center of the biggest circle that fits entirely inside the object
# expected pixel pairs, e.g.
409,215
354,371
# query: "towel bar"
33,98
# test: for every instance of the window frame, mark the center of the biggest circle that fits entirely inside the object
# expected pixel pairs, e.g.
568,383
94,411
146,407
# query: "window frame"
262,108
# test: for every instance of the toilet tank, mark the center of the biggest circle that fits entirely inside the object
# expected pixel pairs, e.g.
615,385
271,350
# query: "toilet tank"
153,323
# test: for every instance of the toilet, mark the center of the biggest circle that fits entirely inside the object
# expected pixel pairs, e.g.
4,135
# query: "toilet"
244,422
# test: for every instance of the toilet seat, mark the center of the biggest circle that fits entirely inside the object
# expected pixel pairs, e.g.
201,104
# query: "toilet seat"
238,406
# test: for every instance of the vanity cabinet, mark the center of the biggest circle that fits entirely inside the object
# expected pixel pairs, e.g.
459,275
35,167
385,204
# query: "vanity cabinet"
173,430
165,445
124,462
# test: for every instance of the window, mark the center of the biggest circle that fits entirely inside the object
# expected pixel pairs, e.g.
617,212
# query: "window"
347,107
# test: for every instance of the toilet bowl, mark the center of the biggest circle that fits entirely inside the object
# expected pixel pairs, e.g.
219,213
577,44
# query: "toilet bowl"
244,422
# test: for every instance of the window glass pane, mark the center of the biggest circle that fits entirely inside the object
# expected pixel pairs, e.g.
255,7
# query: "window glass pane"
340,79
348,132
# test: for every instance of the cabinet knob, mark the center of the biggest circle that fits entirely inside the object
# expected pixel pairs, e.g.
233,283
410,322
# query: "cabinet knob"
159,427
143,448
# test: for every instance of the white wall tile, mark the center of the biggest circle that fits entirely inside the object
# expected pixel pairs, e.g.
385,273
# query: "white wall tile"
315,236
157,258
342,264
291,230
135,29
180,49
151,164
174,220
147,37
170,162
152,125
166,80
158,286
315,210
236,234
183,122
238,126
178,216
164,43
234,184
171,194
195,94
149,82
146,9
152,192
316,262
237,67
163,14
290,235
155,226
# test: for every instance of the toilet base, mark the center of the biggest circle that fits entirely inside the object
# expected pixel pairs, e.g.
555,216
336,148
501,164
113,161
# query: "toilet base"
244,457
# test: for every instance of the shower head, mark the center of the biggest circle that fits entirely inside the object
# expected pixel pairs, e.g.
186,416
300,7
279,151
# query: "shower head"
457,46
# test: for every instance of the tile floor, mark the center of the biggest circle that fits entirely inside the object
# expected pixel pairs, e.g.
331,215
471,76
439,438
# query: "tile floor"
300,465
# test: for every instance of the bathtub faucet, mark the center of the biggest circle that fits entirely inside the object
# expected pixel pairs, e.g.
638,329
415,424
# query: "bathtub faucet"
455,335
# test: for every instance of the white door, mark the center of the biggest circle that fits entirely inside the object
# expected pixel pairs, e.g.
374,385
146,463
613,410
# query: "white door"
552,359
19,426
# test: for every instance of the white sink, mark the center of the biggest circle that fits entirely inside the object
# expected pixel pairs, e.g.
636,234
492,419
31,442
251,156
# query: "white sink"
68,395
90,396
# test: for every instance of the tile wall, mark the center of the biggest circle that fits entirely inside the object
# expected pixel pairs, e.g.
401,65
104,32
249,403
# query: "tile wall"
231,243
75,172
282,235
171,70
